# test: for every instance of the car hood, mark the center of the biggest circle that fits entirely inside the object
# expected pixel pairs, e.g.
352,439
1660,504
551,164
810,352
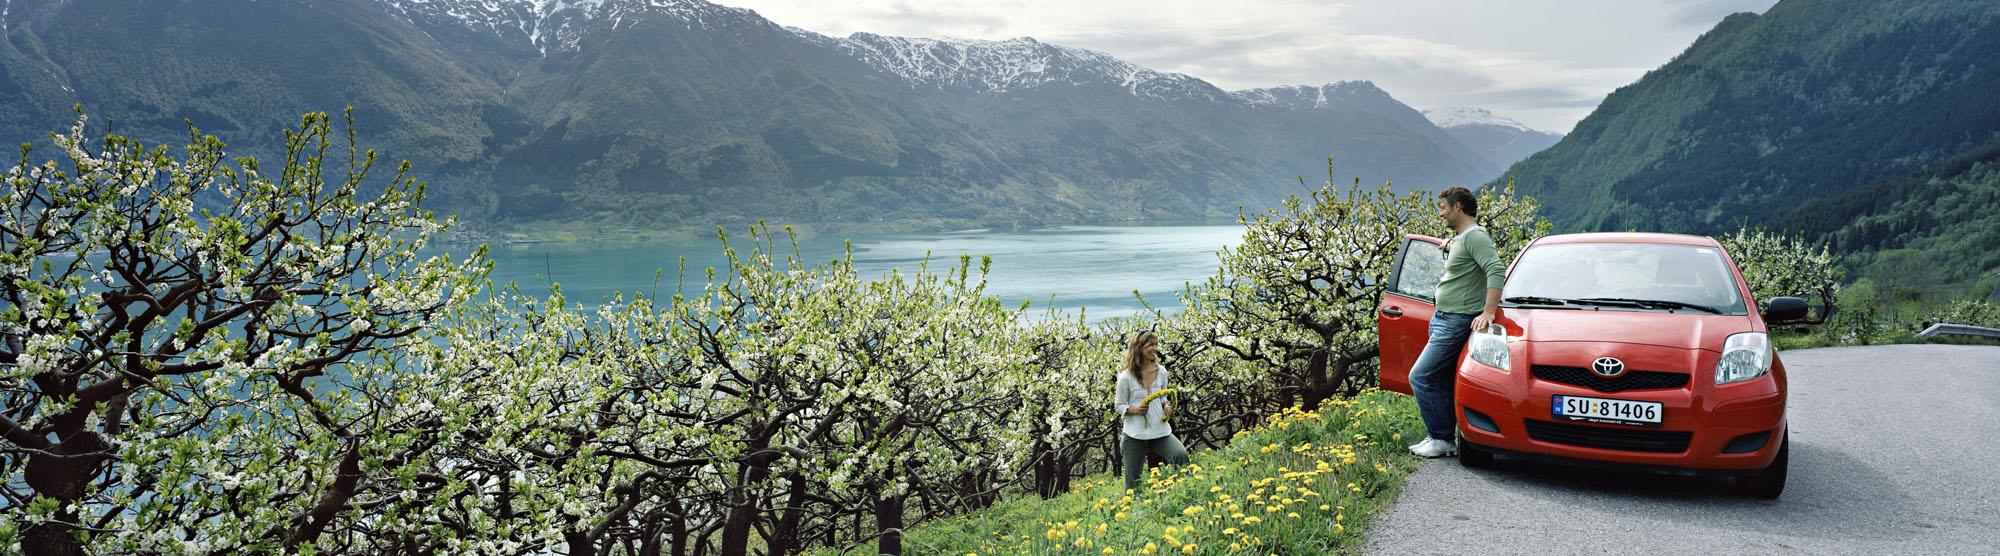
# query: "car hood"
1653,328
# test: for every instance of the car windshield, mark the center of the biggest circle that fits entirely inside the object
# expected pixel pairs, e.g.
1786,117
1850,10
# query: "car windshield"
1635,276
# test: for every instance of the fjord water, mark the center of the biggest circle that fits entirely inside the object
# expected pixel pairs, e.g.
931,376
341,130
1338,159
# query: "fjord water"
1094,268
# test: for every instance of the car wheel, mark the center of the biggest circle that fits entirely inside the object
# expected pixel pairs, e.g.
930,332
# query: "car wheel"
1770,482
1472,456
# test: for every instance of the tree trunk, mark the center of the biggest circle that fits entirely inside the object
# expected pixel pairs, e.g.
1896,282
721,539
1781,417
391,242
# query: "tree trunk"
579,543
1045,471
889,521
786,537
62,475
649,541
1318,388
677,533
743,505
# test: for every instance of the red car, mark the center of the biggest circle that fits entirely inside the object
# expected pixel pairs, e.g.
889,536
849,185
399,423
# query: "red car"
1636,350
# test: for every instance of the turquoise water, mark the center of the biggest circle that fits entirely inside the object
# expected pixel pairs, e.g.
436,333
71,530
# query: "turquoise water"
1073,267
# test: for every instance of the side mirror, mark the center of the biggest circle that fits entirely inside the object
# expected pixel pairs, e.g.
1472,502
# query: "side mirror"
1785,309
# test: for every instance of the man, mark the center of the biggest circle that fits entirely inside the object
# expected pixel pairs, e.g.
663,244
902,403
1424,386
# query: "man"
1468,299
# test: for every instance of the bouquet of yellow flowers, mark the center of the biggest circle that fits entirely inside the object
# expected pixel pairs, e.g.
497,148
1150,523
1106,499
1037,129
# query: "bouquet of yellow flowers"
1168,392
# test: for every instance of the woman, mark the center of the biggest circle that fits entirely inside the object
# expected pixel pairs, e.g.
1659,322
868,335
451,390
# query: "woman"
1145,424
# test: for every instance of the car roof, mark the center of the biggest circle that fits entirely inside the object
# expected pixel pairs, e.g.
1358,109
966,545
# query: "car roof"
1631,237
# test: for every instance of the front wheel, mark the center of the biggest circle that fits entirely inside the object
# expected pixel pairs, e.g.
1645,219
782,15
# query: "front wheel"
1473,456
1770,482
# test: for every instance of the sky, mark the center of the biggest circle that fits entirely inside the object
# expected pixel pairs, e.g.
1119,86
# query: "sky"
1546,63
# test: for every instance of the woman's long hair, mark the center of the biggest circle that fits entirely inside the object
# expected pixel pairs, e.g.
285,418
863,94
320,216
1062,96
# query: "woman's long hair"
1135,352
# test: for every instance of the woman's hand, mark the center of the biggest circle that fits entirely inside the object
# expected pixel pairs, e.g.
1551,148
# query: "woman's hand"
1168,411
1135,410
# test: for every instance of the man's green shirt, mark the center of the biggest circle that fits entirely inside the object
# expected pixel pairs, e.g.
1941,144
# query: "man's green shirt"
1471,268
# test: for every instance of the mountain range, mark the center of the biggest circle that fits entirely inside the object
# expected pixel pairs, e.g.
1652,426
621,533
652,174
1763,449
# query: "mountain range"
1498,139
666,112
1870,124
1764,113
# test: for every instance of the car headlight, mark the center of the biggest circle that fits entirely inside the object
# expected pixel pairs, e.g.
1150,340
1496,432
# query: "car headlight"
1744,356
1489,347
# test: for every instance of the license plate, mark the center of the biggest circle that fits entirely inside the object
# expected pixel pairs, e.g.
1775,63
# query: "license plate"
1601,410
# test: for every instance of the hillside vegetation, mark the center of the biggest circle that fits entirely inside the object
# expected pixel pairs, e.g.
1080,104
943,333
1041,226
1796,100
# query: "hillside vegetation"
1865,126
1765,113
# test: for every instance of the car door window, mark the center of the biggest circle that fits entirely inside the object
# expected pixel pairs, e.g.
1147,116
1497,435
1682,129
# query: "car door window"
1421,267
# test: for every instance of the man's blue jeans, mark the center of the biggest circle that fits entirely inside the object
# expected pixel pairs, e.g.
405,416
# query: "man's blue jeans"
1435,373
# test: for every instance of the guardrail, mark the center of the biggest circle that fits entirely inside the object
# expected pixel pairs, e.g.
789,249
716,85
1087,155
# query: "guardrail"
1943,328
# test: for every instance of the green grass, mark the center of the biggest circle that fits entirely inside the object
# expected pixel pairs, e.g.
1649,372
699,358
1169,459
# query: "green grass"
1302,483
1793,340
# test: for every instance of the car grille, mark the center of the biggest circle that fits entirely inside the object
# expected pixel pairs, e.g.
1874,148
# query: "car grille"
1630,440
1631,380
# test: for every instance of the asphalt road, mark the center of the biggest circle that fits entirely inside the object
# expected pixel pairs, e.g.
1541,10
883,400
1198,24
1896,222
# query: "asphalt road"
1895,450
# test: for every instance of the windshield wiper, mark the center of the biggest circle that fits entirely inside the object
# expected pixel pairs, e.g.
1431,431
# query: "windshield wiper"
1535,300
1648,303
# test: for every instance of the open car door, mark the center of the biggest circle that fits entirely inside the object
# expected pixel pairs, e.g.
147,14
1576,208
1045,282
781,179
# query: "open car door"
1403,319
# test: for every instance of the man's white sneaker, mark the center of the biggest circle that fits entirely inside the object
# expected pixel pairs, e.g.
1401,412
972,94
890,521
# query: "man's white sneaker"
1434,448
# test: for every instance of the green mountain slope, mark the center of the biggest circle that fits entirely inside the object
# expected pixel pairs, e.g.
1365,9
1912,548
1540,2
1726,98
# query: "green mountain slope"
1936,226
1763,112
243,71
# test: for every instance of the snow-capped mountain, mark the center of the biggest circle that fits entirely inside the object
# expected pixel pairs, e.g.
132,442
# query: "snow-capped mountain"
1499,139
1454,116
560,24
949,64
977,66
685,111
961,65
1309,96
987,67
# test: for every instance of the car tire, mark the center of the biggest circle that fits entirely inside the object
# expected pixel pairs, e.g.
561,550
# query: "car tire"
1473,456
1770,482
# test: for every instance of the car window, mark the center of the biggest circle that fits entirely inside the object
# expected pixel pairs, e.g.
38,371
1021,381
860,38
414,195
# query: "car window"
1680,273
1423,265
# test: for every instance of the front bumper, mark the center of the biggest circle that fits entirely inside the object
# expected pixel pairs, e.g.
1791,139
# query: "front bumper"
1698,425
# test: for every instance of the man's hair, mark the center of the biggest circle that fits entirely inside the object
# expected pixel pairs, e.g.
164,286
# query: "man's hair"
1463,198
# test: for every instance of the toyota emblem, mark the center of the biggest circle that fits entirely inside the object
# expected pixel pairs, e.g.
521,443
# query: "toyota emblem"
1607,367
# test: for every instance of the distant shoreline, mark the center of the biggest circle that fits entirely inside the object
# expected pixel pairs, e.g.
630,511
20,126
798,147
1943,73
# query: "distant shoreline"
524,233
